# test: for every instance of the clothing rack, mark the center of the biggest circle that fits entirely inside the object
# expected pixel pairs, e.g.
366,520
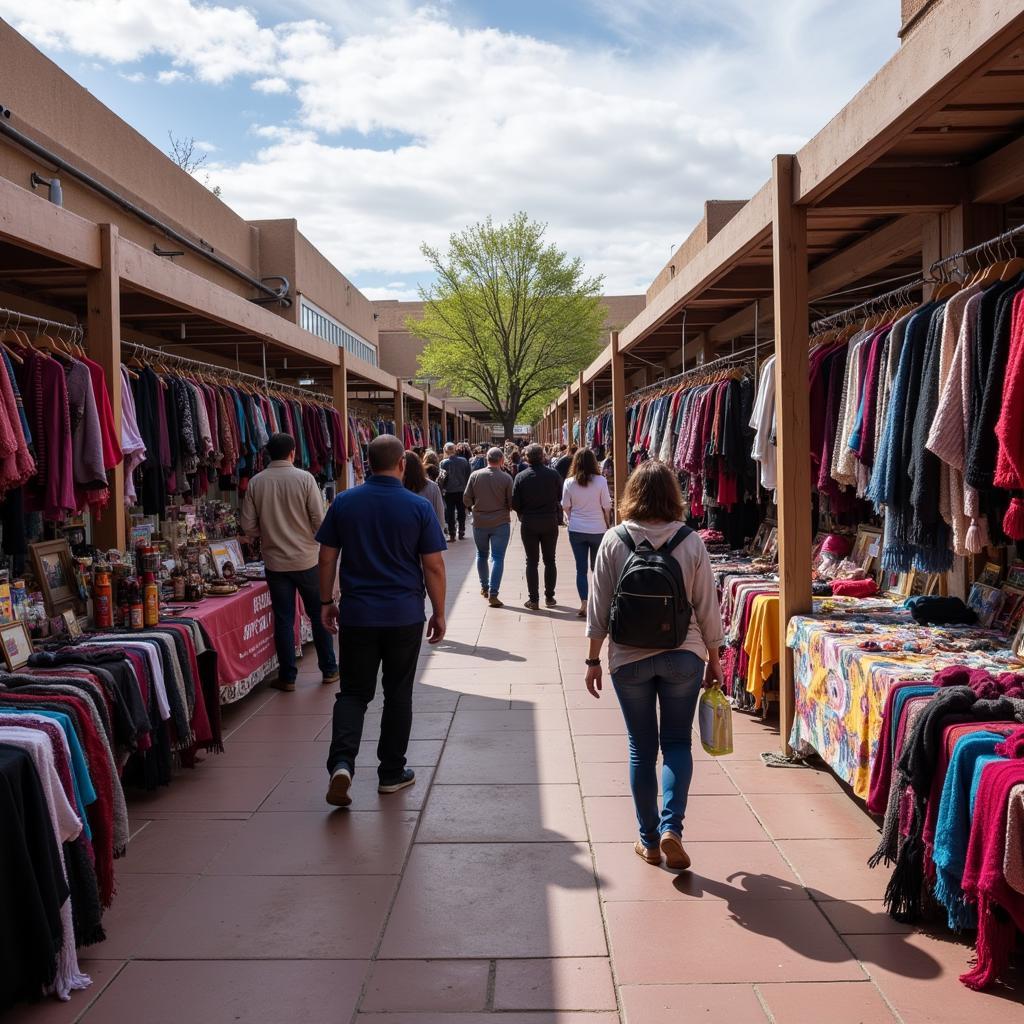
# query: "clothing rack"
998,240
222,371
39,322
722,363
847,315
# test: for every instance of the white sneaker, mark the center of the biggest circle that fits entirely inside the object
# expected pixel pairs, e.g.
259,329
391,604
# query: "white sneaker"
337,791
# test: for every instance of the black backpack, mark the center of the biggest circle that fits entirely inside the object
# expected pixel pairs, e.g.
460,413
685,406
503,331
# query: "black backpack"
649,607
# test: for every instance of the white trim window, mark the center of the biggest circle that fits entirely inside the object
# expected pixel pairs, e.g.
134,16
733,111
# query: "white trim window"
315,320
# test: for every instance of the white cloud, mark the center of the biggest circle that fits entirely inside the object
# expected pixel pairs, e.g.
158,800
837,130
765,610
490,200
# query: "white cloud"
271,85
397,292
170,77
134,76
616,149
206,147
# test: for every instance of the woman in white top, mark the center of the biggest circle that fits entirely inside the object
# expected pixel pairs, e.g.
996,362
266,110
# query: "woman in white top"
585,497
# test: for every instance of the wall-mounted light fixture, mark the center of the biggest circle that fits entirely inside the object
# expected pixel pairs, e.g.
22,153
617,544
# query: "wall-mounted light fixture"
56,195
306,381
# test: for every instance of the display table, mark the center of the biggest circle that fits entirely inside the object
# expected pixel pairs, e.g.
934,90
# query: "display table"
841,686
241,631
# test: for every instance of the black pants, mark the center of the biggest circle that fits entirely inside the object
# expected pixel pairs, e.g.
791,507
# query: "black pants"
539,538
283,587
365,651
454,508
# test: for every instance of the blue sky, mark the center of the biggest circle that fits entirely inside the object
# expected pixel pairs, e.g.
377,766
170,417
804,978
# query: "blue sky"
386,124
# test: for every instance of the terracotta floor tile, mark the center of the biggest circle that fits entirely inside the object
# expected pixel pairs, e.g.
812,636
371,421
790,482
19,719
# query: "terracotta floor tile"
495,900
841,1002
476,702
427,985
53,1011
533,720
329,842
254,917
688,1004
550,1017
721,871
303,789
426,725
749,746
742,941
919,973
862,917
139,907
572,983
176,847
708,819
601,749
813,816
222,789
503,814
837,869
420,754
267,992
597,722
753,777
507,757
281,727
578,696
266,754
610,778
311,698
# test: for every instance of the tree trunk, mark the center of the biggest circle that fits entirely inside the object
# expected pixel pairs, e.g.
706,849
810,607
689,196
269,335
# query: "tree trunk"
509,426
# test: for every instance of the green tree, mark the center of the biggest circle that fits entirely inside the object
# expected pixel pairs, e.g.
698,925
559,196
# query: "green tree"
509,319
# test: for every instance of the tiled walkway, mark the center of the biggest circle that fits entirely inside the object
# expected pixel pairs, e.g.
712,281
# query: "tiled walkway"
502,887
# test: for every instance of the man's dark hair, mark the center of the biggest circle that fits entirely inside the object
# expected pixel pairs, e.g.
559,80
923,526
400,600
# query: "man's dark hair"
535,455
280,446
385,453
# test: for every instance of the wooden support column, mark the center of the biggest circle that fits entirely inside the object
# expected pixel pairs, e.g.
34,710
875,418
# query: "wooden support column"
339,386
103,324
400,411
444,424
570,414
583,412
620,456
792,411
426,418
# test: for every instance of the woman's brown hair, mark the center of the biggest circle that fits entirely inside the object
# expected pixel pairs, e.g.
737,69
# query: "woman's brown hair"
414,478
584,466
652,495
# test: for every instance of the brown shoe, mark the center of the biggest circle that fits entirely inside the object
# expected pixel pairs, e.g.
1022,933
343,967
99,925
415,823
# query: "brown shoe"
652,856
676,856
550,602
334,677
493,601
534,606
284,685
484,592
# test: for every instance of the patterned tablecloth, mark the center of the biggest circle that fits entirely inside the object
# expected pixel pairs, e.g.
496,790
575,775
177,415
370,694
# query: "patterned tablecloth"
841,682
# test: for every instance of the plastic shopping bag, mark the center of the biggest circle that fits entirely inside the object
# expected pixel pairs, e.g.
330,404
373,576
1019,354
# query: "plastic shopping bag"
715,713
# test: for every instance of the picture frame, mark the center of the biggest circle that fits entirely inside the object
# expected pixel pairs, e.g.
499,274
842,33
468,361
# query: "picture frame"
221,556
51,561
986,601
757,545
867,548
234,546
991,574
1017,646
1015,575
16,644
897,585
73,626
771,546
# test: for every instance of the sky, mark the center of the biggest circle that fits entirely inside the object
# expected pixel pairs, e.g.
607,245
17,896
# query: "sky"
384,124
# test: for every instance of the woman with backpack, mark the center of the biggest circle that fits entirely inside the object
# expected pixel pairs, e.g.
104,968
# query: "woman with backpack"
654,596
586,500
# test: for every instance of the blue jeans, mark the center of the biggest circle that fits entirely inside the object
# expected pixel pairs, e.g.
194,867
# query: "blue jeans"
283,586
671,680
495,538
584,546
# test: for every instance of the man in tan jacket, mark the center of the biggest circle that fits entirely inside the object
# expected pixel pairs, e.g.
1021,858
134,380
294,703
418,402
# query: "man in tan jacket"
284,508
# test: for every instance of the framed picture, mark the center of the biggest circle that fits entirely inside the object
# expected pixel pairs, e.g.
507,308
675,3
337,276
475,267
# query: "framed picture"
52,563
897,585
1018,641
986,601
771,546
1010,611
221,556
757,546
990,574
234,547
16,644
1015,575
71,623
867,548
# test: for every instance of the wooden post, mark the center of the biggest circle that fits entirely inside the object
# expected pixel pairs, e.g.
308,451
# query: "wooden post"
339,386
792,411
103,324
426,418
400,411
444,424
570,414
583,412
620,455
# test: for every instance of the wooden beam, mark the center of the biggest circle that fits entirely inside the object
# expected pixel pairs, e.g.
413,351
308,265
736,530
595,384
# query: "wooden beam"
999,178
399,412
898,189
569,415
789,234
339,387
583,411
34,223
620,456
933,62
103,324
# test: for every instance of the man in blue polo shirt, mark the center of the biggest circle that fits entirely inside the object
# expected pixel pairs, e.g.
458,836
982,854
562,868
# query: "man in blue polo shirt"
390,546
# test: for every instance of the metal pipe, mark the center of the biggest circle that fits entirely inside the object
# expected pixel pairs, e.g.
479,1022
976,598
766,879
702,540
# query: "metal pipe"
270,294
980,247
77,331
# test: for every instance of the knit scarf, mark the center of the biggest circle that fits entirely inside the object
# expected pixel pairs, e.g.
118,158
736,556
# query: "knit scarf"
1000,907
1009,472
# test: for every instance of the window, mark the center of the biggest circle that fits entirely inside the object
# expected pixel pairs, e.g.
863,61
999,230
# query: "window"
323,325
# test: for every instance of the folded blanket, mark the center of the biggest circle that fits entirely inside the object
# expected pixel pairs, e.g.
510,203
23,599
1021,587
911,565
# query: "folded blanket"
854,588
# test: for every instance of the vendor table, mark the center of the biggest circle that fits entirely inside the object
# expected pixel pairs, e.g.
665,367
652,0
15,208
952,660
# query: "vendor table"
241,631
841,684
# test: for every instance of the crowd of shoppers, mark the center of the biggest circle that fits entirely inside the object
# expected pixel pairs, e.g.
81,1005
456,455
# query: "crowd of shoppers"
364,570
